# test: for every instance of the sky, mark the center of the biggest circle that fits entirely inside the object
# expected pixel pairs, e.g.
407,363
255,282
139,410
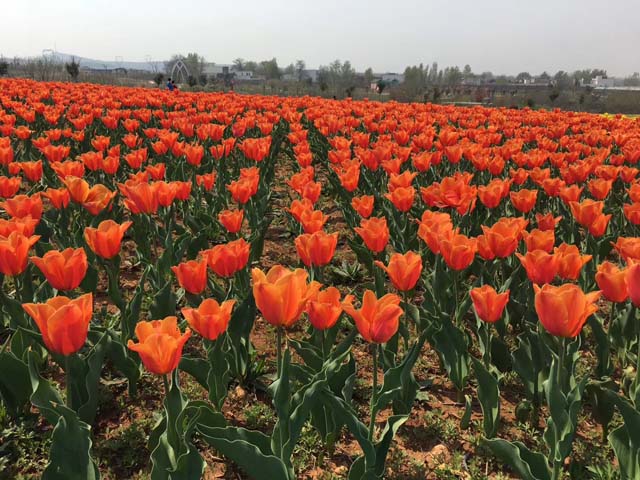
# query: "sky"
490,35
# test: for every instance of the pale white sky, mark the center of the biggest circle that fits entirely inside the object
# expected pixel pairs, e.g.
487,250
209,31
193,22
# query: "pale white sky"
503,36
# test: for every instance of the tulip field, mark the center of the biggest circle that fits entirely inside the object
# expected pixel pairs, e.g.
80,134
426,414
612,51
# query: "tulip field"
211,285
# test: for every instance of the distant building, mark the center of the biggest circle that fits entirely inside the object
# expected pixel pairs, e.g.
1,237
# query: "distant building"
603,82
391,78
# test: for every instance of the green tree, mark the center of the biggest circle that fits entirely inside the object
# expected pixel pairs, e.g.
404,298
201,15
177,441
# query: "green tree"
239,64
158,79
73,69
368,77
4,67
203,79
192,81
300,67
271,69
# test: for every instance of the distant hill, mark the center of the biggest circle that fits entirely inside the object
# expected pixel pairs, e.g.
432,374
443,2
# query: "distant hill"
90,63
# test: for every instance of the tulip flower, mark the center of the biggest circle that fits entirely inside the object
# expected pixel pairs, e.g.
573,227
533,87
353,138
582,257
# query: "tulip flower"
403,270
227,259
22,206
539,240
613,282
316,249
211,318
192,275
312,220
587,211
488,303
378,319
13,253
633,283
402,198
64,270
547,221
458,251
63,322
524,200
324,311
564,310
105,241
159,344
570,262
281,294
231,220
363,205
375,233
541,267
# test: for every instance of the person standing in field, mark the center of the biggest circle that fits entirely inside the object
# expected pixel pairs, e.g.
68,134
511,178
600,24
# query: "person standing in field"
170,85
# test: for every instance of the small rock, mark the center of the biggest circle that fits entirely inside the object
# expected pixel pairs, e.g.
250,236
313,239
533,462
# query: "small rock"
340,470
437,456
240,393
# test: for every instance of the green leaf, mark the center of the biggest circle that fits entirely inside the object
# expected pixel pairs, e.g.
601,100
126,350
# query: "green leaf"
15,384
451,344
70,455
489,396
527,464
164,302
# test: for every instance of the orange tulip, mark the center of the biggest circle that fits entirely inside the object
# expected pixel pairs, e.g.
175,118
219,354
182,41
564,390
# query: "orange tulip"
106,240
378,319
402,198
13,252
541,267
613,282
524,200
375,233
564,310
281,294
539,240
324,311
211,318
22,206
316,249
140,197
628,248
63,322
458,251
488,303
503,236
194,154
58,197
159,344
570,262
78,188
632,212
9,186
26,226
64,270
312,220
599,225
97,199
231,220
547,221
403,270
586,211
227,259
192,275
633,283
298,207
600,188
363,205
434,226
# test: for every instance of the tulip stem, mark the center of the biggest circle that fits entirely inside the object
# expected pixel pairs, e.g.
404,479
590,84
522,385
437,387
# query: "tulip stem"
165,381
279,350
374,392
69,389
